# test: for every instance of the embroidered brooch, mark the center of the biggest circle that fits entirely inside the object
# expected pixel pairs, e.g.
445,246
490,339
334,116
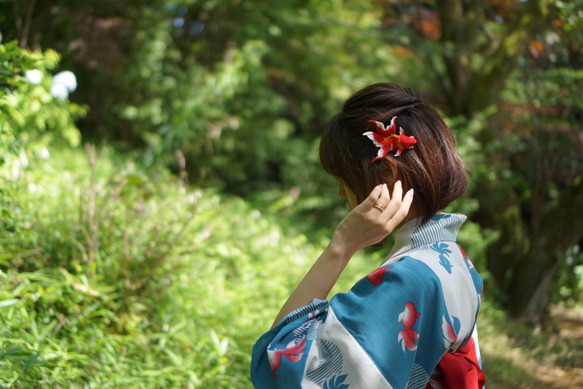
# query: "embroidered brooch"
387,139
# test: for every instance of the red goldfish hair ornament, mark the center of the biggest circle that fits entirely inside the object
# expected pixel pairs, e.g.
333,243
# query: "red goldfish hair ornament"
386,139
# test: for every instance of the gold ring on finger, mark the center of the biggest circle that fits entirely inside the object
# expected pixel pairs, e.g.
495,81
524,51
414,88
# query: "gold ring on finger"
379,207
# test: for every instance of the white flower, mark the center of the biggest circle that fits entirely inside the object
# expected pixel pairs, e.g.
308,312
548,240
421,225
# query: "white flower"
23,160
34,76
44,153
67,79
59,91
18,167
15,170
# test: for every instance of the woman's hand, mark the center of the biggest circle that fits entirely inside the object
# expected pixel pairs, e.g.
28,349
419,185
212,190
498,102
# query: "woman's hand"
372,220
368,223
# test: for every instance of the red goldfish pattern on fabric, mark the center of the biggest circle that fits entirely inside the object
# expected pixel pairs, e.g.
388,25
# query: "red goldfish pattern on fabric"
292,352
408,336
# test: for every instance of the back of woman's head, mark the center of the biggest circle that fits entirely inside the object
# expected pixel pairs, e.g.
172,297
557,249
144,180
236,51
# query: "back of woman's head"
432,168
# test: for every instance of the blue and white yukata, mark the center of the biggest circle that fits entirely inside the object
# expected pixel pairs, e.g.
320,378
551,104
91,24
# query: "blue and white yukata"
391,329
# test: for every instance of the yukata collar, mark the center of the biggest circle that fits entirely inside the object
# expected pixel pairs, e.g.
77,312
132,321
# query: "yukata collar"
441,227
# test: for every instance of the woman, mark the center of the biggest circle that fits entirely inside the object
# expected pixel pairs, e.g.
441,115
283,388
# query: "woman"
420,307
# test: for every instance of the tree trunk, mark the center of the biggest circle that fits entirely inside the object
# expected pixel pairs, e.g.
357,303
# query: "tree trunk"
523,265
534,273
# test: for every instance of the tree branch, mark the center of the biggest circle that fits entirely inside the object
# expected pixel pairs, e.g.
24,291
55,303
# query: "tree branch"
23,41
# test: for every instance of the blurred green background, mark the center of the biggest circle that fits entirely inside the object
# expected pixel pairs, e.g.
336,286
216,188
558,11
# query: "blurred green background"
160,191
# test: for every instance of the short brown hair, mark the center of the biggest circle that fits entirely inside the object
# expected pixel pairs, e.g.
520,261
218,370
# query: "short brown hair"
432,168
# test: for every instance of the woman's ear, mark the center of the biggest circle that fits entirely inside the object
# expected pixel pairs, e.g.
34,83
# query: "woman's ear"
392,167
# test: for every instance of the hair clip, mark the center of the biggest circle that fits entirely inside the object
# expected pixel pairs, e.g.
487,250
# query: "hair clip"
387,140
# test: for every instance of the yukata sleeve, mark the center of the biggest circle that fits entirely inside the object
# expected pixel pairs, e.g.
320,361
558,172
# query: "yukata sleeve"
368,337
286,344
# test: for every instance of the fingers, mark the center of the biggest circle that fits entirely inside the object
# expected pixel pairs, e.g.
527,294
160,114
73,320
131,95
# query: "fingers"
379,195
385,196
374,195
375,218
380,200
398,190
408,200
394,209
396,199
401,211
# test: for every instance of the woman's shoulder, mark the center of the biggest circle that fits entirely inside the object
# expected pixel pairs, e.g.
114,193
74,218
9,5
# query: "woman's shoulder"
437,271
409,268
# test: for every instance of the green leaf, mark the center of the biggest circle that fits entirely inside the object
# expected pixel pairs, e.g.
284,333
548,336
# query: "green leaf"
36,359
11,45
12,351
6,303
134,179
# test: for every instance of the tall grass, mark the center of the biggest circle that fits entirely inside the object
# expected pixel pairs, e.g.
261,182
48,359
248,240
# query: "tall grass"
114,276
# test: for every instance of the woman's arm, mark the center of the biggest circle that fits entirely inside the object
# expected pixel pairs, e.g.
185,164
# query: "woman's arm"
363,226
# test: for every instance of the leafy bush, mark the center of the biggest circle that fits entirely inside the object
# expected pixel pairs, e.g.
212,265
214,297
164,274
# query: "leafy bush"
32,115
120,276
31,119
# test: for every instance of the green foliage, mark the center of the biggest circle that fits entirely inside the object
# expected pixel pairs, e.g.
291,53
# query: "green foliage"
30,117
31,120
12,59
569,285
203,83
136,280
